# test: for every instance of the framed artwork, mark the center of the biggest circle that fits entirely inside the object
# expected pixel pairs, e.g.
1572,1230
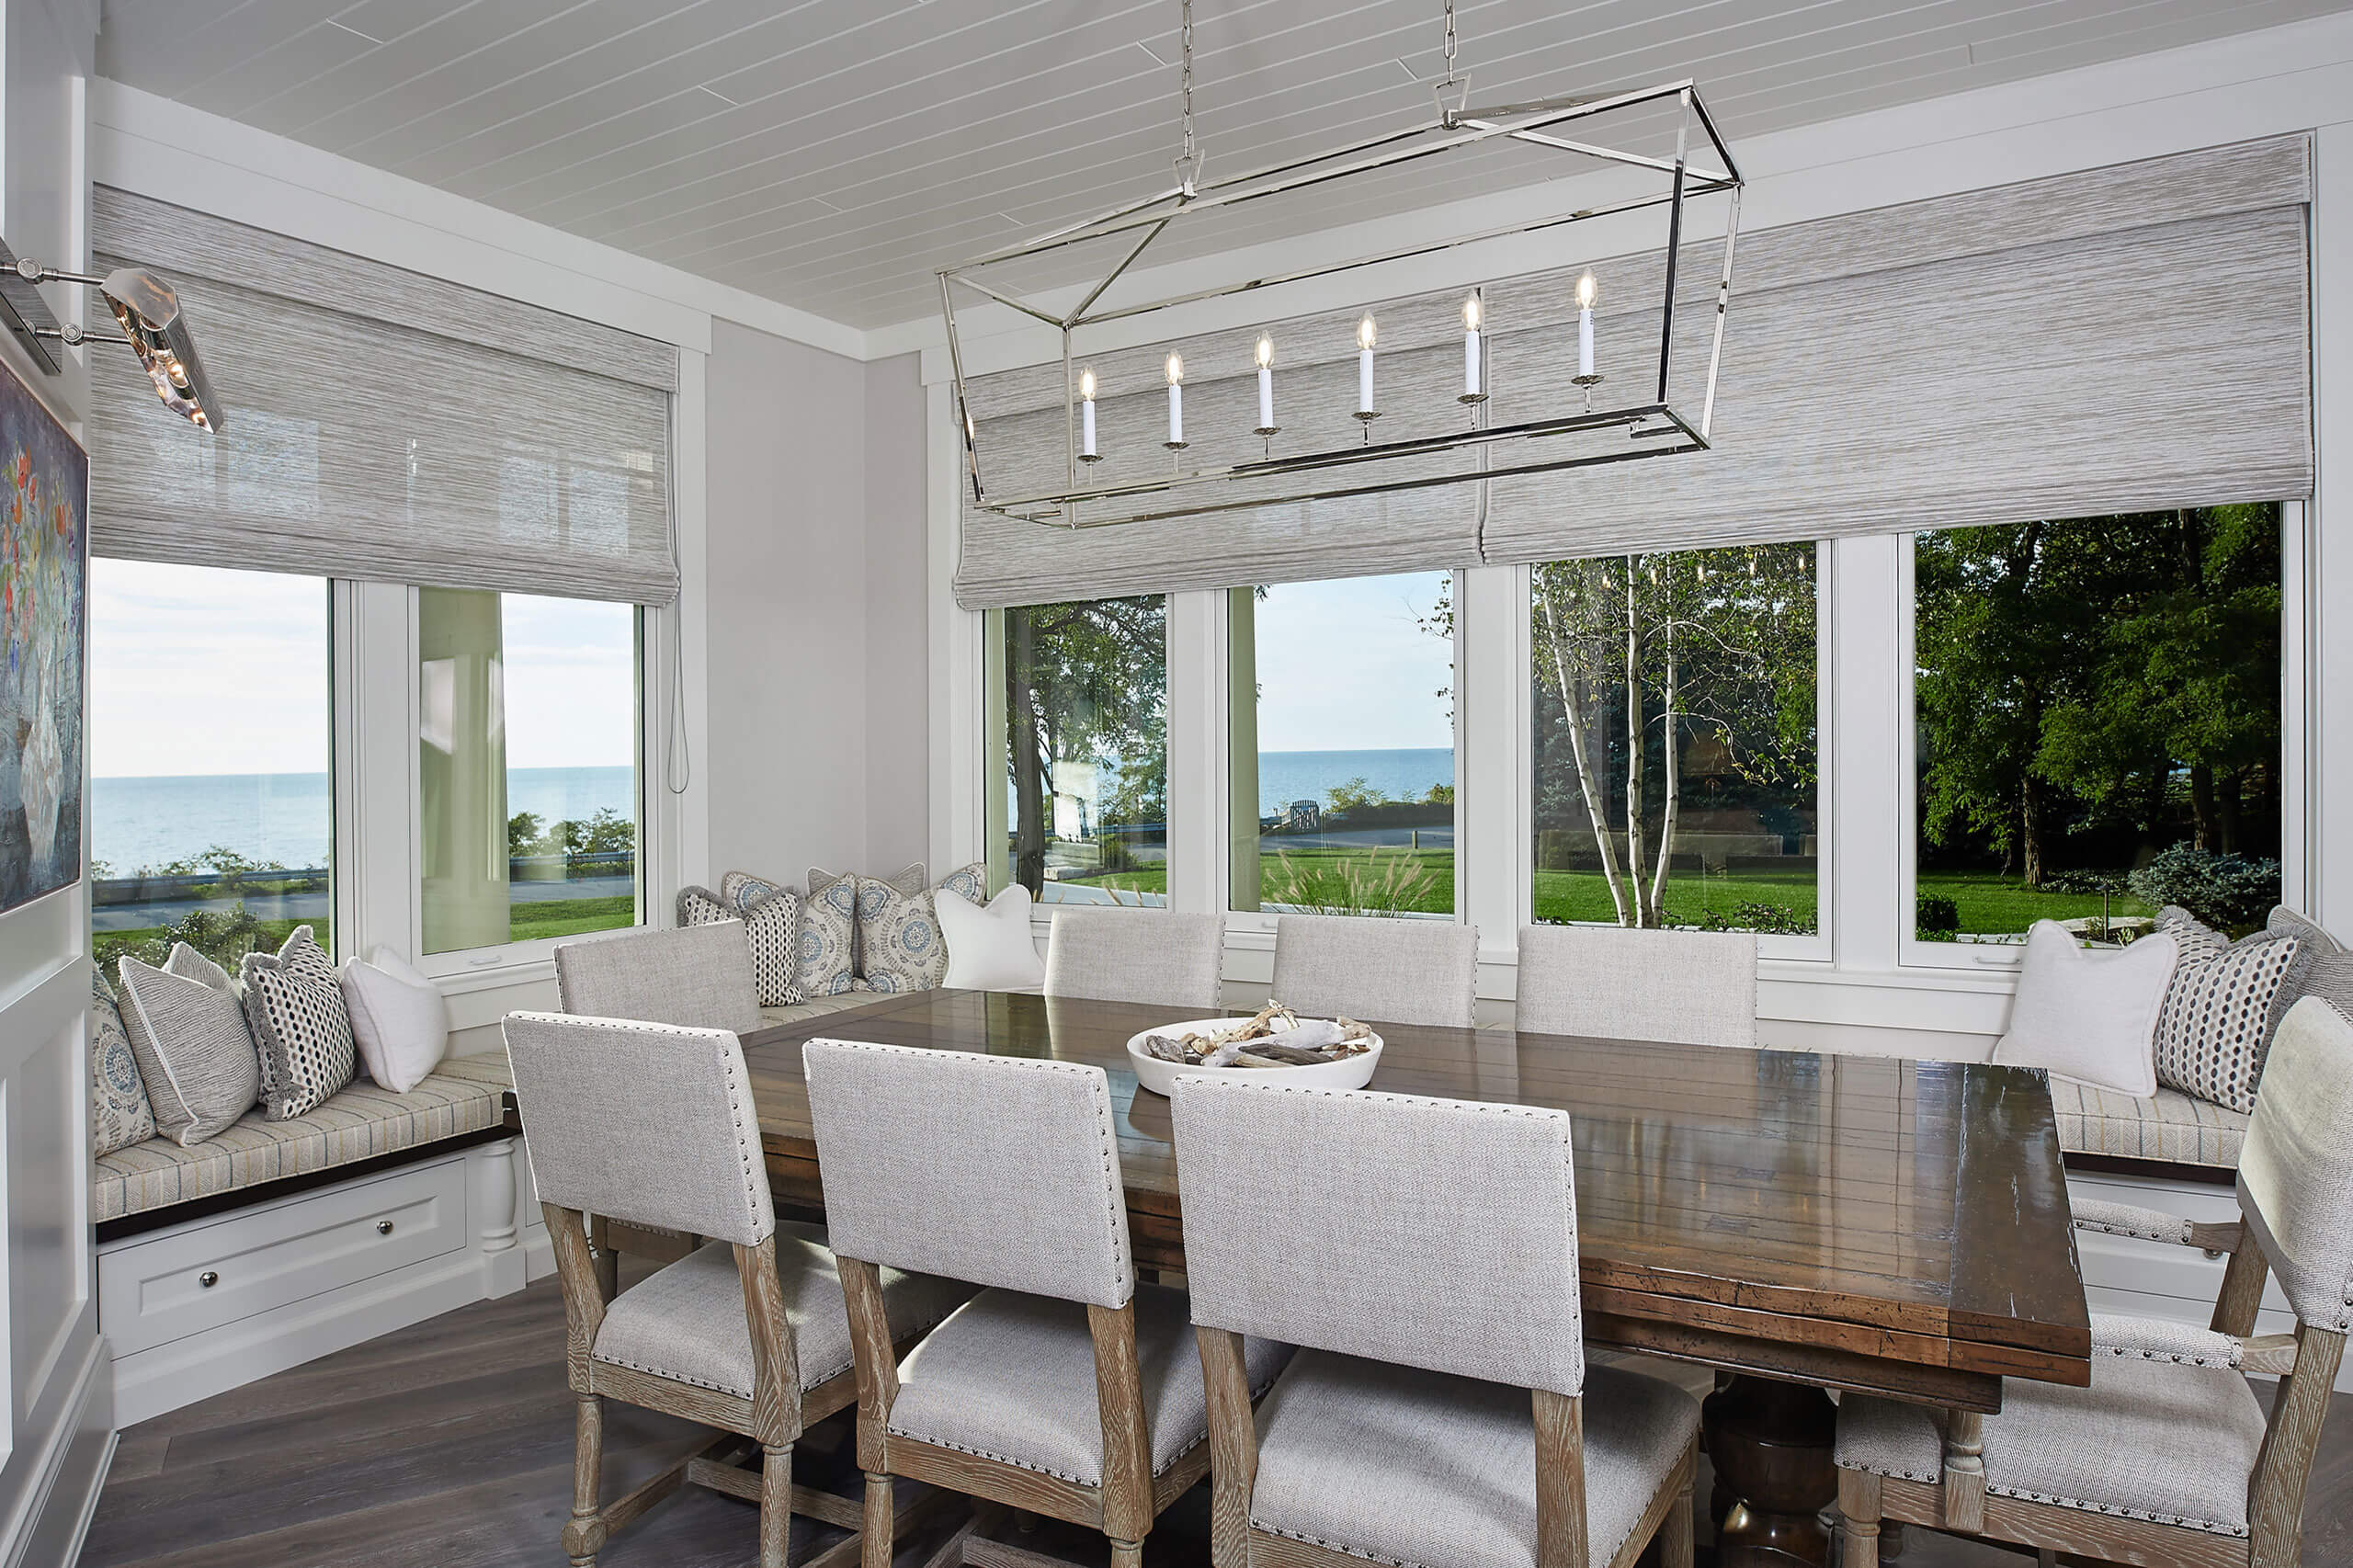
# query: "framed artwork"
44,592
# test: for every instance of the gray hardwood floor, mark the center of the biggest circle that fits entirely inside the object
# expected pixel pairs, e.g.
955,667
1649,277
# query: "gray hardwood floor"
449,1445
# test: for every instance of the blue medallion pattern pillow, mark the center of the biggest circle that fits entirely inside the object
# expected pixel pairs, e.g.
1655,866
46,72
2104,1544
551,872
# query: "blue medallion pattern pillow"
900,947
820,928
120,1112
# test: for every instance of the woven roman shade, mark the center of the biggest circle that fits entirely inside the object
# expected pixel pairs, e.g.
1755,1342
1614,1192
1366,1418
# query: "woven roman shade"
381,424
2125,338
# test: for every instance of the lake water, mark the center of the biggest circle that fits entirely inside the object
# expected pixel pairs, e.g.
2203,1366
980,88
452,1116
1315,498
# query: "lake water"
287,817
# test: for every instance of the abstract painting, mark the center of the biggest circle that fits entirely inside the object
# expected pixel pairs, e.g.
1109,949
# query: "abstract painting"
44,580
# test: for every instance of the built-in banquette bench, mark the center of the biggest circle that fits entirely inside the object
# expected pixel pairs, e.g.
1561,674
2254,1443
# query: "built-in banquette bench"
277,1241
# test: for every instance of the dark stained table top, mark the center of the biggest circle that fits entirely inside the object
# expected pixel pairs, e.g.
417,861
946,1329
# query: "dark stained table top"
1900,1227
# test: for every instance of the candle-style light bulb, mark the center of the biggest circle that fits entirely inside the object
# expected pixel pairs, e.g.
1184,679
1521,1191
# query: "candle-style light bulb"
1365,335
1473,374
1086,452
1265,356
1175,371
1588,291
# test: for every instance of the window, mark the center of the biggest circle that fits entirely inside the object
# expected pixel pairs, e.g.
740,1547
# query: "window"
527,777
1674,749
1083,817
2096,713
211,801
1342,746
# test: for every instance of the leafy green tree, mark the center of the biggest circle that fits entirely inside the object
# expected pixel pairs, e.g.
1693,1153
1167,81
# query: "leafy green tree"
1354,795
1086,680
523,830
2075,673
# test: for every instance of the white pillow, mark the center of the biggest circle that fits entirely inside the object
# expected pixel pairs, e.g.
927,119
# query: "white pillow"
2090,1017
990,949
398,1018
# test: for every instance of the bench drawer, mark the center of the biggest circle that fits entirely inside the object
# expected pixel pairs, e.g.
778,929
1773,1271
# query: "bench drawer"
170,1284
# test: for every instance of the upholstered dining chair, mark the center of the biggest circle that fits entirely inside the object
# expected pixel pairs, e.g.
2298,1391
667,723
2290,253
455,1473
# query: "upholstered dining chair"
2167,1457
1064,1388
750,1332
1160,956
1389,971
695,977
1438,1407
1676,987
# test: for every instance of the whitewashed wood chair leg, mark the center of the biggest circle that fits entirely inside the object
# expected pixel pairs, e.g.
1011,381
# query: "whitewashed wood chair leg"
776,1504
1858,1518
879,1534
1966,1472
1127,1555
585,1534
1676,1544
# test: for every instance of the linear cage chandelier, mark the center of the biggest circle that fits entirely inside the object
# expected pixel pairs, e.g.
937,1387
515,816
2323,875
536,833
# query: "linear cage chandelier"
1524,375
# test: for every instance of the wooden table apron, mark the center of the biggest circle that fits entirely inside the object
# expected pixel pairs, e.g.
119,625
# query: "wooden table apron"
1895,1227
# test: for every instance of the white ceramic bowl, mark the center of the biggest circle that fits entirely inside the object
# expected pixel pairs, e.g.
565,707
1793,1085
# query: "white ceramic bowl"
1348,1073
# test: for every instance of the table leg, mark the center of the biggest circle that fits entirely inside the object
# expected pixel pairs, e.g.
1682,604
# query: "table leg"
1771,1444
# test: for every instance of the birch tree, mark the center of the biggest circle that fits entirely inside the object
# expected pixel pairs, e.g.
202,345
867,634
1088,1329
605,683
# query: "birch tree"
1673,647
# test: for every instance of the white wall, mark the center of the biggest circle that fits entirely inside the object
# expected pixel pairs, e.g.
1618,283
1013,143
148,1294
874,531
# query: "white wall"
815,638
58,1401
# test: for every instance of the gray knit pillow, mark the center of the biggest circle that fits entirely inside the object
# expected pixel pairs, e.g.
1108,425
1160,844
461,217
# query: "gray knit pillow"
2216,1025
195,1049
301,1026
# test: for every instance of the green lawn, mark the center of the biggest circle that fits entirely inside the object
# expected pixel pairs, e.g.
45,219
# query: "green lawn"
1994,905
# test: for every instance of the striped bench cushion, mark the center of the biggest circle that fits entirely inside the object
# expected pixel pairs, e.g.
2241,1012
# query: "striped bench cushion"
2170,1126
465,1093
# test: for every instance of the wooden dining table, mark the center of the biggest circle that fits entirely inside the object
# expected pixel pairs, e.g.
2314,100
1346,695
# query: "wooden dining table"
1803,1221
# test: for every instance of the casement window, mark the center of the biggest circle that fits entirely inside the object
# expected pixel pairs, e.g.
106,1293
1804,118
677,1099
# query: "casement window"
1078,808
1341,746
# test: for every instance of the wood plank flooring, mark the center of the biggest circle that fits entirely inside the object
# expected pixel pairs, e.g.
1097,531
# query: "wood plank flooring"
449,1445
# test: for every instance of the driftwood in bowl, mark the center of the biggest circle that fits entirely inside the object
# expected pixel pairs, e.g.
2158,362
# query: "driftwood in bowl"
1274,1037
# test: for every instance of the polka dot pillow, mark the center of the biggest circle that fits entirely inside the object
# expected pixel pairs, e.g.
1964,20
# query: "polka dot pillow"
301,1026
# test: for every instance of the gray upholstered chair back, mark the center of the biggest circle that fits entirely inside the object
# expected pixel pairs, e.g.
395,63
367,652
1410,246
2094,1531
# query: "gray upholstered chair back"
1682,987
995,1170
696,977
2296,1169
1137,955
642,1122
1432,1234
1394,972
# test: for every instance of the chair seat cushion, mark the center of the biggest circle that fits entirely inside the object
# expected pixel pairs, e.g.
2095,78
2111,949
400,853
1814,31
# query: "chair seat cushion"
1011,1378
2174,1444
2169,1126
1414,1468
687,1322
464,1093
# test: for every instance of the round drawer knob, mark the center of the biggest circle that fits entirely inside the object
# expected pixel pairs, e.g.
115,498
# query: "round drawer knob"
208,1278
383,1227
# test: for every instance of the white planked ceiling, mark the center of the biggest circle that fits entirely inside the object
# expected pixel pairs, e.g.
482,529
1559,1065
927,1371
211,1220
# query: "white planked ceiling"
830,153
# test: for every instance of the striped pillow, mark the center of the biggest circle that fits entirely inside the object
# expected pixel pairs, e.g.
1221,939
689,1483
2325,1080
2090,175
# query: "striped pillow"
196,1054
2216,1025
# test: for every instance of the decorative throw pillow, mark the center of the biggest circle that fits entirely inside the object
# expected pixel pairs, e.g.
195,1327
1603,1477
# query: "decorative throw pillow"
196,1053
772,925
990,946
2087,1016
2321,962
398,1020
119,1114
899,945
301,1025
2216,1028
844,886
828,960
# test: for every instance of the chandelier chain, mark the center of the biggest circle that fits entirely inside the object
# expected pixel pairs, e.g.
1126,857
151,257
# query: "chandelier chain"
1188,161
1450,40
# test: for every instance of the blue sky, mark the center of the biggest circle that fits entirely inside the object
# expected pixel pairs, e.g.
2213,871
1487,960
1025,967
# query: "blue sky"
195,670
1342,666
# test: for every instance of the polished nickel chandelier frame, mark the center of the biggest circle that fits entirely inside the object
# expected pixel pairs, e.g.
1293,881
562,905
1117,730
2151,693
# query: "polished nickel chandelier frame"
1656,425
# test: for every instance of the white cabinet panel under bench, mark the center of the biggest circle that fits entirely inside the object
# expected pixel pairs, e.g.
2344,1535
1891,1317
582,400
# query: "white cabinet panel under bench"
166,1285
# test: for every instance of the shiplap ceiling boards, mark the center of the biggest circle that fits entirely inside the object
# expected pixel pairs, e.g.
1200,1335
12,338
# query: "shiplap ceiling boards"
830,153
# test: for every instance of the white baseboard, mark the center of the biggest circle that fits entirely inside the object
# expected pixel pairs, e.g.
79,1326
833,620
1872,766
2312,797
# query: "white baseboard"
81,1448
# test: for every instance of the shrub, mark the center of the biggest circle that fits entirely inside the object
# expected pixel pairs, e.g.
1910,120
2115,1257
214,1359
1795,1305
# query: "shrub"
1748,915
1936,917
2230,893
